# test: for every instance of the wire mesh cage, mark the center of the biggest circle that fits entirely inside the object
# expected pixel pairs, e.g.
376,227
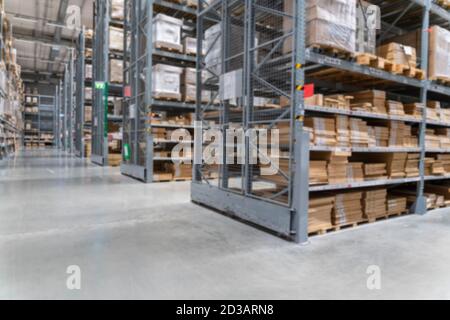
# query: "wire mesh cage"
247,76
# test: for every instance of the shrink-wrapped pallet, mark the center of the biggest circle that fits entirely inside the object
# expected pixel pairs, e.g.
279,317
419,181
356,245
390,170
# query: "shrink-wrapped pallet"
117,9
116,71
116,39
329,23
166,81
167,32
88,71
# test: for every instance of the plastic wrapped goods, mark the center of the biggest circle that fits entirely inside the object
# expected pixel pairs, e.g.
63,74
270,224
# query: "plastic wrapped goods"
167,32
439,53
116,71
329,23
166,81
115,39
117,9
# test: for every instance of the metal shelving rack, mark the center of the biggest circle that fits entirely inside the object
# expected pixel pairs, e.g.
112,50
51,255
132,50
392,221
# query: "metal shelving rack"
80,95
236,189
42,121
139,56
100,68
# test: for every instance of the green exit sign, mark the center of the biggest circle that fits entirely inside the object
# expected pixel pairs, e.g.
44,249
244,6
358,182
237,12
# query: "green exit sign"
99,85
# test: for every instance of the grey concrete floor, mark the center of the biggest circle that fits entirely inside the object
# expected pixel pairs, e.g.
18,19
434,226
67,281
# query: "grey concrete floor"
137,241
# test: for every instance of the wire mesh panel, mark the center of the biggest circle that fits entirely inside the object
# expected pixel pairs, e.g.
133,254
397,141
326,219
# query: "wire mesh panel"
247,74
248,142
137,58
79,96
100,77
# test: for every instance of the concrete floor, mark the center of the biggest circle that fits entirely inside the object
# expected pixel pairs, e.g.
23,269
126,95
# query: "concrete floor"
139,241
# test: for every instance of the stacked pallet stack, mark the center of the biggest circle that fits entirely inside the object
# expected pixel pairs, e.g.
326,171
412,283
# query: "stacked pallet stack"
347,208
412,165
319,213
359,136
318,172
374,203
395,108
413,110
338,101
396,204
396,163
433,110
370,101
378,136
342,131
375,171
324,130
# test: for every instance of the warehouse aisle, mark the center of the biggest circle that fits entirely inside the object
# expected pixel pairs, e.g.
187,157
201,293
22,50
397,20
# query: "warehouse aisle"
129,241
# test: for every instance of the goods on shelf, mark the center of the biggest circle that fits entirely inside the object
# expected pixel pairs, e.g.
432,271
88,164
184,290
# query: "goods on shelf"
167,32
375,171
398,53
88,71
115,39
117,9
116,71
414,110
412,165
369,100
396,204
438,53
324,130
330,24
378,136
374,203
88,114
166,82
190,46
338,101
347,208
319,212
395,108
317,172
358,133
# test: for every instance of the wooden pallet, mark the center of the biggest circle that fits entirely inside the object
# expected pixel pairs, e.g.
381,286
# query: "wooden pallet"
338,227
167,96
332,51
445,81
168,47
371,60
354,224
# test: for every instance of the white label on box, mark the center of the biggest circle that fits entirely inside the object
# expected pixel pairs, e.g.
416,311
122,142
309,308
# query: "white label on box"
408,50
95,121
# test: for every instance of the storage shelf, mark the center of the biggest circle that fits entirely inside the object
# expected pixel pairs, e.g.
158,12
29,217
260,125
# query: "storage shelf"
362,184
364,150
361,114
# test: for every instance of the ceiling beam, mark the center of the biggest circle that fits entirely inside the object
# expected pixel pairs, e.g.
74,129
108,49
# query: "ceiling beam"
21,34
57,37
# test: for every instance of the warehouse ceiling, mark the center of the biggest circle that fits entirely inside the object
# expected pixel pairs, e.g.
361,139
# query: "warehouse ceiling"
42,38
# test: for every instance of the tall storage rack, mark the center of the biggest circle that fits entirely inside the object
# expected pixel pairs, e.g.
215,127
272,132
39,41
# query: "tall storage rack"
102,88
68,106
140,56
267,72
80,95
57,123
39,112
